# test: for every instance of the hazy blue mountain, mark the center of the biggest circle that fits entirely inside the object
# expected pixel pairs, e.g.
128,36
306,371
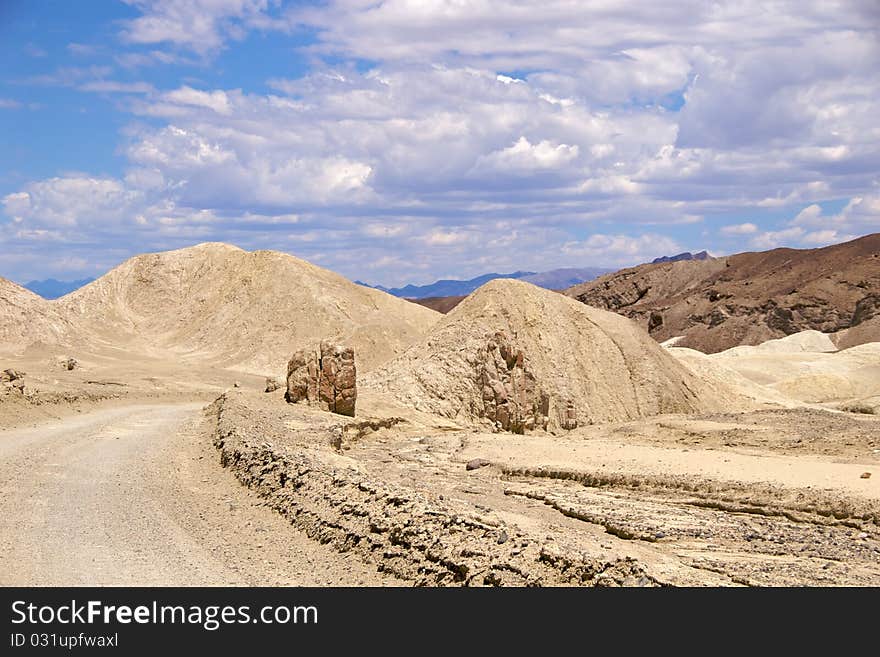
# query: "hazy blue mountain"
52,289
557,279
687,255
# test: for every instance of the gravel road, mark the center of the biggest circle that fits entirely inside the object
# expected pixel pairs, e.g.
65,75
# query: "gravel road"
135,495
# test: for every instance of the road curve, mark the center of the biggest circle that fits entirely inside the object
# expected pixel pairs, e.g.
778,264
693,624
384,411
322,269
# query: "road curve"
135,495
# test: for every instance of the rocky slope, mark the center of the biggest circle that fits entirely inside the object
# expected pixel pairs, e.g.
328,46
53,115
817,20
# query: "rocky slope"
247,310
748,298
26,318
516,357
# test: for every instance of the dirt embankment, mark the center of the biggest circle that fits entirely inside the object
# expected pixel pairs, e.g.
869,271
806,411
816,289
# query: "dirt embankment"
656,501
429,542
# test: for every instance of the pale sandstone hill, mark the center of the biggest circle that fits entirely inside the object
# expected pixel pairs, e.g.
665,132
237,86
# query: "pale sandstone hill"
246,310
816,375
802,367
26,318
710,368
511,340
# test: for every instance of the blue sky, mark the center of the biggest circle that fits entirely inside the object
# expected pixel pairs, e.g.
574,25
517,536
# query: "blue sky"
399,141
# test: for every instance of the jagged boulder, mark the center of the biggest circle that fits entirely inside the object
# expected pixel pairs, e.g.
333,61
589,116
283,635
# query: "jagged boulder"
272,384
325,378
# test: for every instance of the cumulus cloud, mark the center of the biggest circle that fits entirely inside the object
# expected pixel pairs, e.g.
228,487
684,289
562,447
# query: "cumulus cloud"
216,101
621,249
526,157
467,134
198,25
811,226
739,229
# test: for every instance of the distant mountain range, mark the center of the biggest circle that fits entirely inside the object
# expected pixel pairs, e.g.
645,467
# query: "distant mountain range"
52,289
687,255
556,279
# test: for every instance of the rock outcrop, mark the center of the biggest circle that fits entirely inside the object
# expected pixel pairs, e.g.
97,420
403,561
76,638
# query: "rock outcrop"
749,298
325,377
511,397
867,308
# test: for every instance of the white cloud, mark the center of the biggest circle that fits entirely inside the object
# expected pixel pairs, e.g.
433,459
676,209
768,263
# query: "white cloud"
740,229
108,86
825,237
70,202
489,131
523,156
214,100
620,249
809,216
777,238
445,237
198,25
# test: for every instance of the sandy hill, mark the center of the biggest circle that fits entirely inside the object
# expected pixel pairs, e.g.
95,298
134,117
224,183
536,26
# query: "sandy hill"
802,367
26,318
247,310
521,357
749,298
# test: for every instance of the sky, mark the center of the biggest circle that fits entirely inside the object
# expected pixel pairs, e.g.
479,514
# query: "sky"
402,141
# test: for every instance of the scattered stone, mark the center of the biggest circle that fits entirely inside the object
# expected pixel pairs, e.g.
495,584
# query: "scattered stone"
865,475
272,384
502,537
326,378
71,364
236,384
476,464
11,375
12,380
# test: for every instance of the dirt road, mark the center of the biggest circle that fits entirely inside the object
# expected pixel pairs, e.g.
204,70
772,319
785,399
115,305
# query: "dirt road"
134,495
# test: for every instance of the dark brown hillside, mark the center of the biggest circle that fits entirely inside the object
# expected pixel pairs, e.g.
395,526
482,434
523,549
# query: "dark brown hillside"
749,297
440,304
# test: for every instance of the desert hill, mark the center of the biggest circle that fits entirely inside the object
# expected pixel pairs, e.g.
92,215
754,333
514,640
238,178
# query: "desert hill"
748,298
26,317
245,310
521,357
805,367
